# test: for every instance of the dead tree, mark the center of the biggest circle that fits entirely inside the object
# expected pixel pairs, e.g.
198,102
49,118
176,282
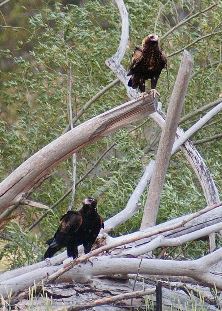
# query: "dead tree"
122,257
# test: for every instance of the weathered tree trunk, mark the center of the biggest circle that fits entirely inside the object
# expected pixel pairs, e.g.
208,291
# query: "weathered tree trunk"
166,141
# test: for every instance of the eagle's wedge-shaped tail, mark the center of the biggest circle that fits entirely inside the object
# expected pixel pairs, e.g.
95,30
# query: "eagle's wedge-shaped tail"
69,224
137,82
52,249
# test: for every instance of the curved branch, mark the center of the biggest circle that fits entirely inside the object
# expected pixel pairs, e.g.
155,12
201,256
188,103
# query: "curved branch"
118,56
132,204
200,123
194,158
4,2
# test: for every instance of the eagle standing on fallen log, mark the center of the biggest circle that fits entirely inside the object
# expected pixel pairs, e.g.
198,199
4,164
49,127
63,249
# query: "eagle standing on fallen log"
147,63
76,228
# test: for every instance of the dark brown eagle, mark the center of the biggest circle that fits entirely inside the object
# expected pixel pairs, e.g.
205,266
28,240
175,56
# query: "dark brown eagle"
76,228
147,63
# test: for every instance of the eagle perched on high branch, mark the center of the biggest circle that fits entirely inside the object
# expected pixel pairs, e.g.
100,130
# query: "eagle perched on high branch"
147,63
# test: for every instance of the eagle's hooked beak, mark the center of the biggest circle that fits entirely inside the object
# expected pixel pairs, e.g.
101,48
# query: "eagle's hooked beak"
88,201
153,37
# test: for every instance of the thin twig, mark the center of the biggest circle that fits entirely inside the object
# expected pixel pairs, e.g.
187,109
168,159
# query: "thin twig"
91,101
4,2
207,139
194,42
13,27
158,15
70,114
187,20
200,110
134,284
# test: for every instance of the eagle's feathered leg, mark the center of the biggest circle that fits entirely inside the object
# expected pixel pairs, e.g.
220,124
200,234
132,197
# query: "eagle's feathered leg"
72,250
153,86
142,86
52,249
154,82
134,81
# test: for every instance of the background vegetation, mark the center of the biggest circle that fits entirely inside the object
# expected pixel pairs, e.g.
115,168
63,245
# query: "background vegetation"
40,40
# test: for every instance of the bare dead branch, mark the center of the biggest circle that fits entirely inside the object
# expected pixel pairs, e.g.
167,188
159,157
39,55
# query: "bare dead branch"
196,161
166,141
164,241
200,270
109,300
118,56
4,2
193,129
132,204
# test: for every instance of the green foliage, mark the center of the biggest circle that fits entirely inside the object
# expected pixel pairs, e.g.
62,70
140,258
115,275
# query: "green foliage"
33,97
24,248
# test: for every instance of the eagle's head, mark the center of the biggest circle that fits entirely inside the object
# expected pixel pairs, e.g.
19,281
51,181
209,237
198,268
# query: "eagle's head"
89,203
150,39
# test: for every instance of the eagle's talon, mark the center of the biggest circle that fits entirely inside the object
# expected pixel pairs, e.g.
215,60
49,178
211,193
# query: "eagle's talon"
154,92
143,94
